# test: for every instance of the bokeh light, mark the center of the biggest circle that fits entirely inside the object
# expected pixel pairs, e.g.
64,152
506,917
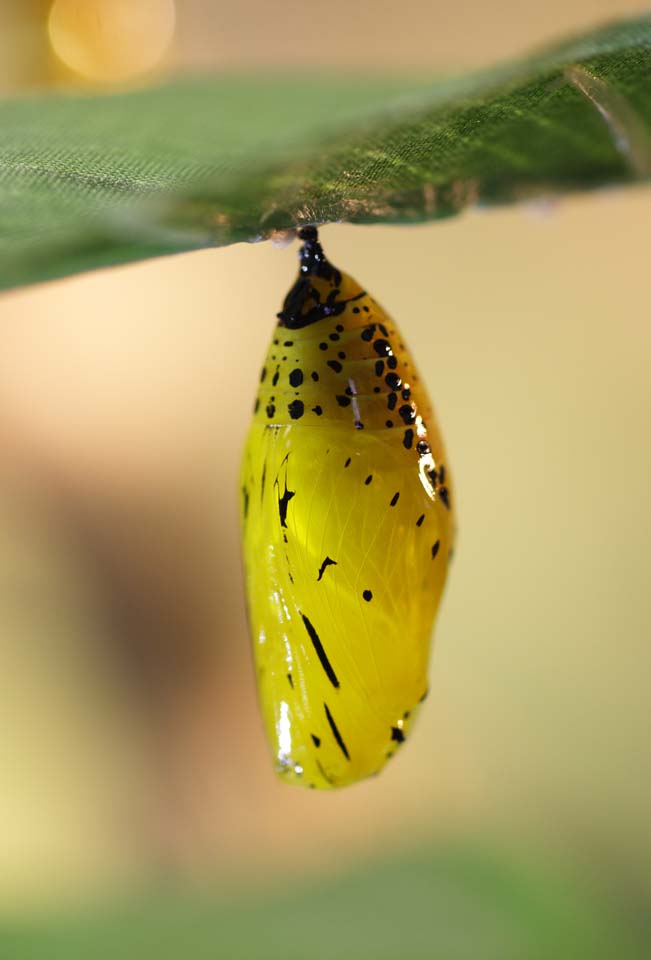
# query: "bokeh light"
111,40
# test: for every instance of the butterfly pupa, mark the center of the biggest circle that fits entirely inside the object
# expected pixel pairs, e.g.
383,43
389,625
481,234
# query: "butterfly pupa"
347,529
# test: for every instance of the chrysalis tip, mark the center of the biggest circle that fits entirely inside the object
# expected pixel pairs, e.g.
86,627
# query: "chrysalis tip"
313,261
306,301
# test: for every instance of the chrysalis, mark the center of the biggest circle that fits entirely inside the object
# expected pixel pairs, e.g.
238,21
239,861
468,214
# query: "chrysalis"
347,527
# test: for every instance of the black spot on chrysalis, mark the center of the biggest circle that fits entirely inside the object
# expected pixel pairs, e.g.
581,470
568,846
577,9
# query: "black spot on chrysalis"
296,409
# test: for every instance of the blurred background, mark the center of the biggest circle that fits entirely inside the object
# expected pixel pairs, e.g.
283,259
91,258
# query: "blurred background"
131,751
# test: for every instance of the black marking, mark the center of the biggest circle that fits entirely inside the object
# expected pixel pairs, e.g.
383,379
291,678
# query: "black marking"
245,502
335,365
276,375
444,494
442,473
333,336
368,596
382,348
288,343
291,680
420,520
348,391
376,390
263,374
407,413
341,355
359,425
296,409
283,502
435,548
335,733
296,378
383,329
256,405
388,423
323,346
397,735
423,447
379,368
270,410
314,375
424,696
355,309
368,479
392,362
320,652
393,381
263,481
303,305
406,394
342,400
339,328
347,463
318,410
367,333
316,740
408,438
392,400
395,498
326,563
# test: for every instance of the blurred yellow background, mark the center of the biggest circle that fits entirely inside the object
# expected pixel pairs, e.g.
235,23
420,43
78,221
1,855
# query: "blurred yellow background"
131,742
59,40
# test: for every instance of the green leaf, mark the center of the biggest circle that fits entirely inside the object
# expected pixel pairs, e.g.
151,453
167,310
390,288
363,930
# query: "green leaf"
454,905
89,181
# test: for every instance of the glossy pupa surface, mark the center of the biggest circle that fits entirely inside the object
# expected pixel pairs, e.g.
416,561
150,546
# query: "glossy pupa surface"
347,520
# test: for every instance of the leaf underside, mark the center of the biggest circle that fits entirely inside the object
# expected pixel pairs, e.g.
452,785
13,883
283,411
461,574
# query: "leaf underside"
91,181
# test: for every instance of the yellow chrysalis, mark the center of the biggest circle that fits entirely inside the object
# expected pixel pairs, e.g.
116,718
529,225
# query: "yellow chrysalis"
347,527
